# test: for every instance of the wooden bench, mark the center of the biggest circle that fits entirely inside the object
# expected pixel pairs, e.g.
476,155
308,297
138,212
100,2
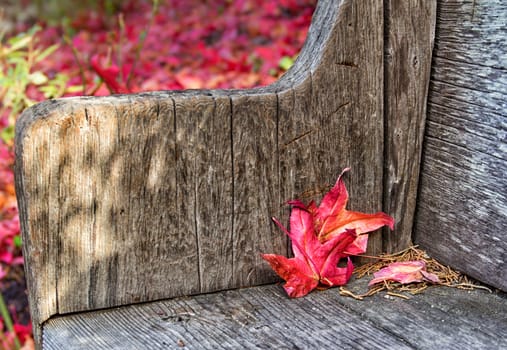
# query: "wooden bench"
144,216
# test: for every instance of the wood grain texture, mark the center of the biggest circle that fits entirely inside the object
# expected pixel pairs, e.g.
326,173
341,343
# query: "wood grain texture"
205,184
256,184
43,296
410,31
127,199
92,219
325,127
264,318
302,176
439,318
356,58
462,211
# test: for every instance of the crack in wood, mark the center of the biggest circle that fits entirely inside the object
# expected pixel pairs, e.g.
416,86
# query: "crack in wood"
233,213
297,138
474,4
340,107
318,190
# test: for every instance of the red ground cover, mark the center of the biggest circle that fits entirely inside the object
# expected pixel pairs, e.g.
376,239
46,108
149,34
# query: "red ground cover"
184,45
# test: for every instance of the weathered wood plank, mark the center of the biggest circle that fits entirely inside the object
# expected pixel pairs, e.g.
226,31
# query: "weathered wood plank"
462,211
464,132
338,127
410,27
256,187
37,237
450,93
204,177
104,187
301,172
325,128
472,32
263,317
120,182
259,318
439,318
299,167
354,112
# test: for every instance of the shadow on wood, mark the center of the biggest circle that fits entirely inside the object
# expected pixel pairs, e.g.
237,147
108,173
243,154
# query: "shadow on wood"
135,198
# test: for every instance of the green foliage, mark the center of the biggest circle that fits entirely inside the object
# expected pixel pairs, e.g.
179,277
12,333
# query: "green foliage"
7,133
8,323
17,241
286,62
19,57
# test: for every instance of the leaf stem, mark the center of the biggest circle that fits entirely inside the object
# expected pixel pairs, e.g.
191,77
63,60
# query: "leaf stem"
73,49
140,44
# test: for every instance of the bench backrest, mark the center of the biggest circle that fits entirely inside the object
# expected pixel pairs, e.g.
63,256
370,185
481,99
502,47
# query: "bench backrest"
462,207
134,198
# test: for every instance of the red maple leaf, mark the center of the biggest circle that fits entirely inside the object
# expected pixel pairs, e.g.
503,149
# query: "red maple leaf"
332,219
314,263
321,236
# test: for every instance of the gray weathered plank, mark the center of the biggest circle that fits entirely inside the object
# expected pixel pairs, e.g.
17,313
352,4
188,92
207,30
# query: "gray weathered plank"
410,27
439,318
263,317
256,187
462,211
347,94
471,32
41,278
205,184
91,218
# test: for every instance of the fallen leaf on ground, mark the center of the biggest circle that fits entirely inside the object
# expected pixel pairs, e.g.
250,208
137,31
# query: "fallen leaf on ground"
321,237
314,263
446,275
331,218
404,272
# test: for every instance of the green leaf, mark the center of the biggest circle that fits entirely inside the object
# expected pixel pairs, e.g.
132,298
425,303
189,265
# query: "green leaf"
7,134
74,88
17,241
38,78
49,91
18,42
4,312
41,56
286,62
142,35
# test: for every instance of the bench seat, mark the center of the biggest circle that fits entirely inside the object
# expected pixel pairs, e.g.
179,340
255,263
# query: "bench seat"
265,318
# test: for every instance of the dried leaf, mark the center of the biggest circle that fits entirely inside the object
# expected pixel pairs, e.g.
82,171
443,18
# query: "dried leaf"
314,263
331,218
404,272
321,236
